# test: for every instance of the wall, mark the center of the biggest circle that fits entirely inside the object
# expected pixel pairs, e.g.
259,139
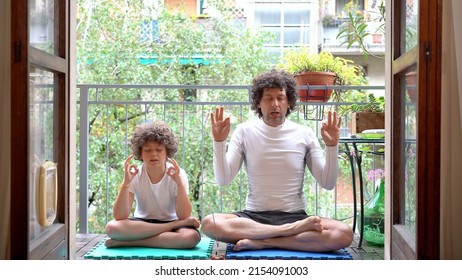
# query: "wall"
375,68
451,132
4,127
189,6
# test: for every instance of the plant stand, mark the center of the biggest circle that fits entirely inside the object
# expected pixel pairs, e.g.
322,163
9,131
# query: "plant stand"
306,94
361,121
314,114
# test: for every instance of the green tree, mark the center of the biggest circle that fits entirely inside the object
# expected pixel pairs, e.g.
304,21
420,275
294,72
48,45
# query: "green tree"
114,39
117,44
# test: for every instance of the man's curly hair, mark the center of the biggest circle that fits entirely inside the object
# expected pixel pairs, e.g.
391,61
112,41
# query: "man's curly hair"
274,79
156,131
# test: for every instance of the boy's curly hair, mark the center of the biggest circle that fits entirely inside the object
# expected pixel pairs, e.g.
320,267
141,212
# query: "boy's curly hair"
274,79
156,131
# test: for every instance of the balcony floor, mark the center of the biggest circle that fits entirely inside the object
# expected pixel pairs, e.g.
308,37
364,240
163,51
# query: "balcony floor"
85,242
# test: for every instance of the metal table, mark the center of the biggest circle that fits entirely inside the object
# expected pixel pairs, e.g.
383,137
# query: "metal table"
357,156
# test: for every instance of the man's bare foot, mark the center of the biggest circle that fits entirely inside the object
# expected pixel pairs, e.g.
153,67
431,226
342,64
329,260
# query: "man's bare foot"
217,257
312,223
248,244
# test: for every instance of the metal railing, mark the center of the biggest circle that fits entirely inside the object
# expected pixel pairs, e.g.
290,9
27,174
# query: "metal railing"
175,104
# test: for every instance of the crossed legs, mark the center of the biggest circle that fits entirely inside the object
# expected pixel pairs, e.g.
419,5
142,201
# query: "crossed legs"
139,233
311,234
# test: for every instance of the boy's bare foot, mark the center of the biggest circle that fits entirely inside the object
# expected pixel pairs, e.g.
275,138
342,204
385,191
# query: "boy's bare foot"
110,243
188,222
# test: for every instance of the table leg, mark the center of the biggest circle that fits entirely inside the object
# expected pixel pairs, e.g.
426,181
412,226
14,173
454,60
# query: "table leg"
353,176
361,194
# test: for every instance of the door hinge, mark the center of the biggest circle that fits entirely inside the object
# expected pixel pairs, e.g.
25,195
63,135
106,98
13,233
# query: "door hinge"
17,52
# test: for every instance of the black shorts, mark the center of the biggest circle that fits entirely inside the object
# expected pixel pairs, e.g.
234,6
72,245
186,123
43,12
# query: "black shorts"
154,221
275,218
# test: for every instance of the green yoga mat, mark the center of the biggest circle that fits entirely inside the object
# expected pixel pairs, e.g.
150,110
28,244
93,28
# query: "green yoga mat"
202,251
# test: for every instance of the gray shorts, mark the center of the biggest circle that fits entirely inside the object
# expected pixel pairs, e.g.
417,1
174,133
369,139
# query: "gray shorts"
273,217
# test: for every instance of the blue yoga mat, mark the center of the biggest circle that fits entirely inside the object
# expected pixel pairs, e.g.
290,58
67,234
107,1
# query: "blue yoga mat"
279,254
203,250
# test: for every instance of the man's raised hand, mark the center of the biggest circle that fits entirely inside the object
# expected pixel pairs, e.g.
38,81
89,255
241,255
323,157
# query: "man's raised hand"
220,127
330,130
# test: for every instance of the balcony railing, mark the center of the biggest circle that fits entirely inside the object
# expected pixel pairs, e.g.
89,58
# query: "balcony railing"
108,113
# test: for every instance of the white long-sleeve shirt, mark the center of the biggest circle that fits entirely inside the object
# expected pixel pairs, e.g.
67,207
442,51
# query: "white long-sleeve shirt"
275,159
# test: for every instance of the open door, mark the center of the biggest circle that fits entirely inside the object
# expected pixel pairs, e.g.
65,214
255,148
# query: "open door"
415,128
39,129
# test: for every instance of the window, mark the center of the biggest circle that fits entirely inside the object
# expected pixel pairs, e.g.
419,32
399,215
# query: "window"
288,20
150,31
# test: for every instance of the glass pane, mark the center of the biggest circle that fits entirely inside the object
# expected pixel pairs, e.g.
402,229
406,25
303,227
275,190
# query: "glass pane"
41,140
298,13
41,25
267,14
296,35
410,151
410,25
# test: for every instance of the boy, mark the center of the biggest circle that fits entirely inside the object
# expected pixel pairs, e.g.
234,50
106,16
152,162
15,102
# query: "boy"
160,187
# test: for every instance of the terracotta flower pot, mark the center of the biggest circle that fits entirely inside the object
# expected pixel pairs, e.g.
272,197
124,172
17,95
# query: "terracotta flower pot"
315,79
411,82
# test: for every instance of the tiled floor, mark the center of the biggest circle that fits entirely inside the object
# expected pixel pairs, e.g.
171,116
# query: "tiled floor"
85,242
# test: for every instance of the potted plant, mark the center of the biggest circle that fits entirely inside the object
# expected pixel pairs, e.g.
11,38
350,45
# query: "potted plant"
358,29
329,21
320,69
368,116
374,209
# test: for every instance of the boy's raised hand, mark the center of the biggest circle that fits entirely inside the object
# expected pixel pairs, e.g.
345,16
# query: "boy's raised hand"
130,170
220,127
173,171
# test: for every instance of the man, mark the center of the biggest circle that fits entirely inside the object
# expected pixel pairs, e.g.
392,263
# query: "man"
275,151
